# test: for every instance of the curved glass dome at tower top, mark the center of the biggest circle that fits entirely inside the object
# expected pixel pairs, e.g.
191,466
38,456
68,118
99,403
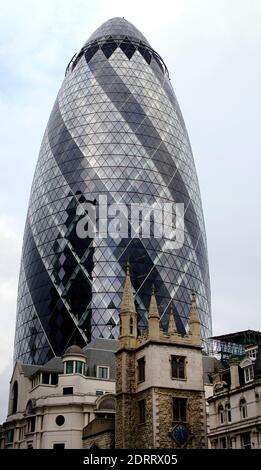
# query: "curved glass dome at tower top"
115,130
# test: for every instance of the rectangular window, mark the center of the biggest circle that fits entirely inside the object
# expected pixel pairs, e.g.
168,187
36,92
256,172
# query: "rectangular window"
10,435
221,414
79,367
243,408
31,424
41,422
246,440
69,367
249,374
45,378
142,411
59,446
229,443
180,409
21,434
177,367
141,369
99,393
228,413
54,379
223,443
68,391
103,372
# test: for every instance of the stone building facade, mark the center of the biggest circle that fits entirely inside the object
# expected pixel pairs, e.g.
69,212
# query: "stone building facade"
235,407
100,432
159,396
50,405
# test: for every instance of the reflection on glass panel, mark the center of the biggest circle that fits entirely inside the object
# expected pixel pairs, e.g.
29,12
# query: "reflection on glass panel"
79,367
69,367
103,372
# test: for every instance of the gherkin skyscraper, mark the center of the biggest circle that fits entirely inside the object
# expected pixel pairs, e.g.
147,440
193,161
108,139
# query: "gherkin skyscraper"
116,130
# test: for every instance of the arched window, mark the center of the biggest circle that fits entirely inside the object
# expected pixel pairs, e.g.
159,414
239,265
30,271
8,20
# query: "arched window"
131,326
228,413
29,410
107,403
243,408
221,414
14,397
30,415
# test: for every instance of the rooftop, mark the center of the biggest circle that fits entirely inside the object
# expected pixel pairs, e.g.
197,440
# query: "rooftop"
117,27
240,337
99,352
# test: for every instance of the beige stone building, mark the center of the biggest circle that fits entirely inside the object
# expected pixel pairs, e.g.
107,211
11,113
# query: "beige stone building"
50,405
235,407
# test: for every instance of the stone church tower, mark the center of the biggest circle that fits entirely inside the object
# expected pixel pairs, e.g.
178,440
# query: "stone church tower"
159,381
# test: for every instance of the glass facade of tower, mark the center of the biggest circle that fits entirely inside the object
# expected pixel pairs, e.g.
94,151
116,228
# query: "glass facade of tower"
116,130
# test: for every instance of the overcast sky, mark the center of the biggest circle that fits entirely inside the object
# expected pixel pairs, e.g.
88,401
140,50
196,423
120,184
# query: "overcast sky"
212,49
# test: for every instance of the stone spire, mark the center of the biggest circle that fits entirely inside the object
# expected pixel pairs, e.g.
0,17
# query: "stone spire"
172,328
153,308
127,303
153,317
194,321
128,315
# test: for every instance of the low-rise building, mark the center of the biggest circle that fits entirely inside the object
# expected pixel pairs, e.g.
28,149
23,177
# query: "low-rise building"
50,405
235,407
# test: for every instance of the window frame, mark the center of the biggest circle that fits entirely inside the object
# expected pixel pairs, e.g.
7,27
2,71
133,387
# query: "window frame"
66,367
58,445
182,415
228,415
249,371
15,394
31,425
68,393
45,378
177,358
142,411
223,442
243,408
99,367
131,325
141,372
54,378
246,445
221,415
10,436
82,367
60,420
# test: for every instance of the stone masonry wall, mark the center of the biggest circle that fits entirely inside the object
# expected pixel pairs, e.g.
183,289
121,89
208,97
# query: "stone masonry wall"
195,418
125,419
130,433
103,441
